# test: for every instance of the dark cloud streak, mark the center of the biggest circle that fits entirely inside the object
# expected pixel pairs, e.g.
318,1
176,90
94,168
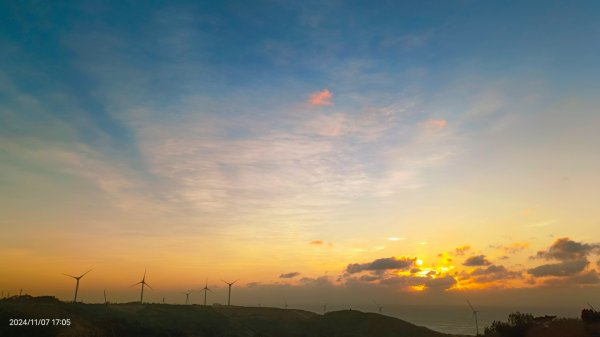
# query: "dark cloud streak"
565,249
289,275
494,273
566,268
383,264
477,260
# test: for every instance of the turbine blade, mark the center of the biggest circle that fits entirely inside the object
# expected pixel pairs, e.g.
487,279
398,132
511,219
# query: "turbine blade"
69,275
147,285
135,284
82,275
471,306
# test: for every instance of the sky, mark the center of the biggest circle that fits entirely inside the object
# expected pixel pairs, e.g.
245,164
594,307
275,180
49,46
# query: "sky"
410,151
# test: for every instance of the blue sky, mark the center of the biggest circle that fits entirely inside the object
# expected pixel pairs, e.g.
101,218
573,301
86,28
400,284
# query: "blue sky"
198,126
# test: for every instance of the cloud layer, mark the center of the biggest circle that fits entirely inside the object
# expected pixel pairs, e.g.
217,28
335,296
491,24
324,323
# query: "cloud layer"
383,264
478,260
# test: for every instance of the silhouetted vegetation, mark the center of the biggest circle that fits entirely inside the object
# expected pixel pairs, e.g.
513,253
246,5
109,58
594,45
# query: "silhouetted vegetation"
526,325
590,316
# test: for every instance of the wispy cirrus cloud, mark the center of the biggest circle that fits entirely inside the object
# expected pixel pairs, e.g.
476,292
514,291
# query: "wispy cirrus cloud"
515,247
334,125
462,250
544,223
407,42
434,124
395,238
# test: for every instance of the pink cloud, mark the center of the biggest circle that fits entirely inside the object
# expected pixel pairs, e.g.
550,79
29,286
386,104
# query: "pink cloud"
320,98
434,124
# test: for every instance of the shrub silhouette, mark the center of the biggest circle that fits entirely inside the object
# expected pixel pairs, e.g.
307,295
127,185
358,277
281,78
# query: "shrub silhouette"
517,326
590,316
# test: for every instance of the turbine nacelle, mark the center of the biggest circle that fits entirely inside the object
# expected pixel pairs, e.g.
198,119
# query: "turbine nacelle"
77,278
229,292
205,289
143,283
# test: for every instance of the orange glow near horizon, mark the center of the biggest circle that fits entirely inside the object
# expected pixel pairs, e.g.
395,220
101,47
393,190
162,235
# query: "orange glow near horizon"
418,288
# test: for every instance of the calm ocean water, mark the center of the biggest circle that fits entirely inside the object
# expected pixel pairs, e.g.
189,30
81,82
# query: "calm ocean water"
456,319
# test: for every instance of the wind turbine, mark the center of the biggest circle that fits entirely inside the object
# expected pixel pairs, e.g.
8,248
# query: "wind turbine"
77,278
205,290
187,296
105,301
475,316
143,283
229,294
379,308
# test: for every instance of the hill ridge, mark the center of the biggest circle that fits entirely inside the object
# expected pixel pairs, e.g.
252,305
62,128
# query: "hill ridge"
173,320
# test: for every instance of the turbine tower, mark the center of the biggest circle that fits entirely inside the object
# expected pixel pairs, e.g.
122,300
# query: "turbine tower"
205,290
105,301
379,308
187,296
474,316
77,278
143,283
229,293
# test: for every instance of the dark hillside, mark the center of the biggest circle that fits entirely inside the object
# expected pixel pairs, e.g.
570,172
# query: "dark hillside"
149,320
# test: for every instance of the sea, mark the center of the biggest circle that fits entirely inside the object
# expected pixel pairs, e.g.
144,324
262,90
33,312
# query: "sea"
453,319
